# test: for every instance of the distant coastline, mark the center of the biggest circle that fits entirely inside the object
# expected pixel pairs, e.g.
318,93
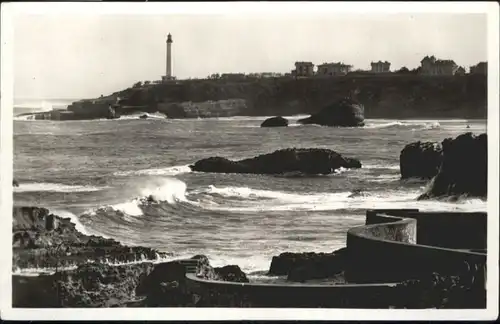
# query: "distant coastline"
386,96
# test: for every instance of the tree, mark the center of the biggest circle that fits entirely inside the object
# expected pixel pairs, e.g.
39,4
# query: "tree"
147,82
404,69
137,85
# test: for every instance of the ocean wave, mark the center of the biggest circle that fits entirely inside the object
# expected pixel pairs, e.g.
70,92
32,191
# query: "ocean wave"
381,166
244,199
168,171
54,187
415,125
169,190
138,115
253,118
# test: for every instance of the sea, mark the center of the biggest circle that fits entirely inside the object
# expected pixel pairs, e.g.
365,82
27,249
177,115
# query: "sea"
96,172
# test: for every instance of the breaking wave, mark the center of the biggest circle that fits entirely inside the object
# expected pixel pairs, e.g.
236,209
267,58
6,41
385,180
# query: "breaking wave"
414,125
54,187
138,115
168,171
159,198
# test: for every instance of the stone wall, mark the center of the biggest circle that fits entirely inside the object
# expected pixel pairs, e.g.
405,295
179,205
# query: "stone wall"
386,252
230,294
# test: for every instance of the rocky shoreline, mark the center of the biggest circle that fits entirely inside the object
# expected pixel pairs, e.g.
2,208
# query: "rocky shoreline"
151,282
92,271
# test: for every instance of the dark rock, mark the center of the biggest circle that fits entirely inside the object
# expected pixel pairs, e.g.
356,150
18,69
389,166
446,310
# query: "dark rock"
306,266
275,122
89,285
143,116
15,183
41,239
231,273
420,160
165,286
345,112
464,168
307,161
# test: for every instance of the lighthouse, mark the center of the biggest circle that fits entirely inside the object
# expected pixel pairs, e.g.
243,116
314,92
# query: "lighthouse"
169,57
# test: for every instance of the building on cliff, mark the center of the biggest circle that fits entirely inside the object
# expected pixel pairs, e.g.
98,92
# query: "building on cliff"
460,71
381,67
168,75
303,69
432,66
333,69
479,68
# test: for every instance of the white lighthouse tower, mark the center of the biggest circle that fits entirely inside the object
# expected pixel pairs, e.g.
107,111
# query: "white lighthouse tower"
168,75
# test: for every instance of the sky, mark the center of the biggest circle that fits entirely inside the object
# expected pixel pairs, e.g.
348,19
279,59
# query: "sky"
82,56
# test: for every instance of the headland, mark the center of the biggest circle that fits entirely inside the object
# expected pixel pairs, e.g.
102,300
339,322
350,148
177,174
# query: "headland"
384,95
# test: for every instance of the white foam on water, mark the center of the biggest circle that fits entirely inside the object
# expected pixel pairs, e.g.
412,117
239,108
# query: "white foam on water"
54,187
283,201
168,190
137,115
381,166
168,171
406,123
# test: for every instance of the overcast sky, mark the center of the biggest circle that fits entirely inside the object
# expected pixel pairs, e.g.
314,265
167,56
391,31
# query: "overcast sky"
85,56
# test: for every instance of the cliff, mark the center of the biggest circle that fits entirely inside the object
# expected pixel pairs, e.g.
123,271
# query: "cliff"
383,96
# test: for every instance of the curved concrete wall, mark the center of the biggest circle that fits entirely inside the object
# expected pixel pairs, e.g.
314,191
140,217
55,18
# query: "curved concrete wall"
388,248
233,294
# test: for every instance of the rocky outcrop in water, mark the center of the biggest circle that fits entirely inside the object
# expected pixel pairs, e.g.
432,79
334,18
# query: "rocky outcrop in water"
463,170
310,265
41,239
275,122
306,161
420,160
345,112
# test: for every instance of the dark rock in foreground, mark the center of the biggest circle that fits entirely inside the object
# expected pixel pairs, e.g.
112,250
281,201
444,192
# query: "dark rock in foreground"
41,239
275,122
463,170
307,161
82,276
143,116
307,266
345,112
15,183
420,160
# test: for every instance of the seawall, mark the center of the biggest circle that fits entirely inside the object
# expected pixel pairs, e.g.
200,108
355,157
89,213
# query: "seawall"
385,251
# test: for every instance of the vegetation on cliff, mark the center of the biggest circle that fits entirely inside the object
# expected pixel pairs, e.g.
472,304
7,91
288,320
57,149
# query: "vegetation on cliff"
394,95
389,96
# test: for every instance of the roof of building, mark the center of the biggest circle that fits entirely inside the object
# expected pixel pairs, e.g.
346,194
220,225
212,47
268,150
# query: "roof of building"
429,58
380,62
335,64
445,62
303,63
